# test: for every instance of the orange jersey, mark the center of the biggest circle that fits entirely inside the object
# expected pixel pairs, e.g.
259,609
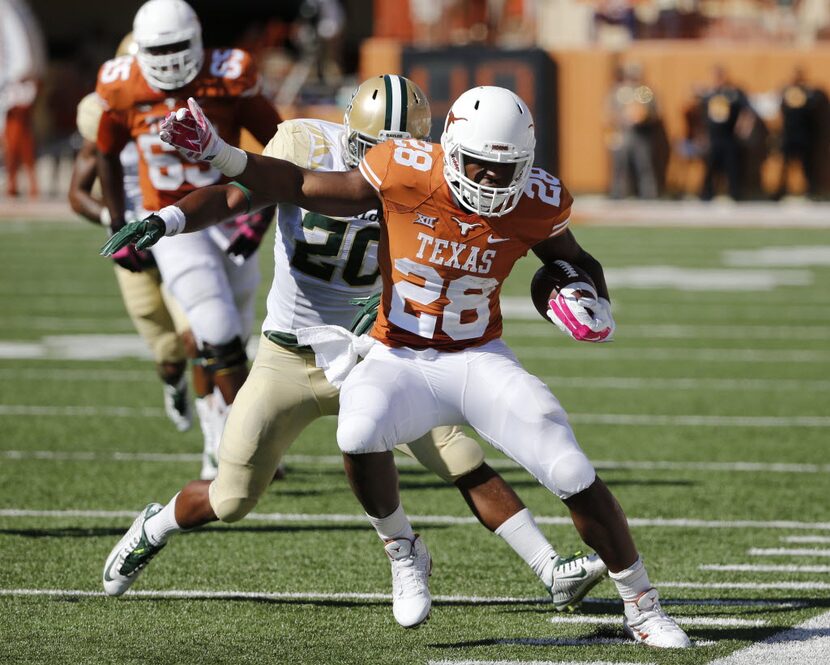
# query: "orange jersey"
442,266
227,88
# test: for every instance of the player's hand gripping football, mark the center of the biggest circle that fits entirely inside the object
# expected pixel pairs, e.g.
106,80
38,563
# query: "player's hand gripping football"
579,313
193,135
143,234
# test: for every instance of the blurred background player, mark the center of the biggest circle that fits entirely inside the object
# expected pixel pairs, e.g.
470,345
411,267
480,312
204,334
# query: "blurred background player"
321,264
156,316
210,274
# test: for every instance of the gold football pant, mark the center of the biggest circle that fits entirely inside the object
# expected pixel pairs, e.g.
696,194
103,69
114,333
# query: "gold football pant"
155,314
284,392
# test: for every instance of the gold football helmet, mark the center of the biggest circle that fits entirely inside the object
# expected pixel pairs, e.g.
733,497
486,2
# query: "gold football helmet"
382,108
127,46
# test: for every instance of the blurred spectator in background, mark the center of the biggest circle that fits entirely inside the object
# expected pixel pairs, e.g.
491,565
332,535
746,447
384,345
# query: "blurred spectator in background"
803,114
635,136
22,64
722,105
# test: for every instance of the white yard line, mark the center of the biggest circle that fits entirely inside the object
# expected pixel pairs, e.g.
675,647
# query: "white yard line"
621,419
783,551
773,356
686,383
676,331
808,643
529,662
335,518
761,568
748,586
306,595
806,539
604,382
335,460
720,622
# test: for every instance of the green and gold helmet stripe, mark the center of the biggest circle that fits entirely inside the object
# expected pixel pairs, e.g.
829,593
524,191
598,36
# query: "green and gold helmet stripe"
397,102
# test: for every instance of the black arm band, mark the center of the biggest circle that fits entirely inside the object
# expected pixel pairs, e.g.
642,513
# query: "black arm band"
246,192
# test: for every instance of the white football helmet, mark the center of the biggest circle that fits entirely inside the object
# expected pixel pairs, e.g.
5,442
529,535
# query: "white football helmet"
382,108
491,124
169,40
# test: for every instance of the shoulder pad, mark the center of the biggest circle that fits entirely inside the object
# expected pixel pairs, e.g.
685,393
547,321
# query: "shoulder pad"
119,82
88,116
233,70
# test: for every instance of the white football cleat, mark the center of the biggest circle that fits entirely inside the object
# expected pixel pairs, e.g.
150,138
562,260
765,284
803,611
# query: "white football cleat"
411,567
177,405
573,578
132,553
646,622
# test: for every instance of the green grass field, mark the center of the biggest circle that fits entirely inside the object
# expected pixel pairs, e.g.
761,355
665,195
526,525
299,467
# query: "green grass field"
708,418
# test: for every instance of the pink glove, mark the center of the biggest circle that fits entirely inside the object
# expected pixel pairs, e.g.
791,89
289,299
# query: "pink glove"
134,260
580,314
249,232
193,135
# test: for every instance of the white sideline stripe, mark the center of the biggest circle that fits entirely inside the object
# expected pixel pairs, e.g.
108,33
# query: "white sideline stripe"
722,622
754,586
337,518
806,539
672,355
808,642
633,419
783,551
761,568
685,383
334,460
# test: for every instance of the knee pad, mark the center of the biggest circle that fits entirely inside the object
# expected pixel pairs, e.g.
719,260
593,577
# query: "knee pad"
359,434
223,358
233,510
571,474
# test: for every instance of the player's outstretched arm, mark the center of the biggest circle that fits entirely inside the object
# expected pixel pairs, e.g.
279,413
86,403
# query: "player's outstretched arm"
274,180
198,210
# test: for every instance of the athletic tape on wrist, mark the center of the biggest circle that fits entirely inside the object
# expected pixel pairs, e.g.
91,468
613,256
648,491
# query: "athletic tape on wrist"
230,161
104,217
174,220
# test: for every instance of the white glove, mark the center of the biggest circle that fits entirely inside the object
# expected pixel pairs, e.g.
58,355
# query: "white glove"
579,313
193,135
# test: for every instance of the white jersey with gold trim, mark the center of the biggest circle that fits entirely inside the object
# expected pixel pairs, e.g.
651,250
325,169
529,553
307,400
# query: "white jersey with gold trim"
320,262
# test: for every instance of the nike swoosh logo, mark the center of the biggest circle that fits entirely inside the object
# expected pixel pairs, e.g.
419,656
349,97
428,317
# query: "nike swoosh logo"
107,576
575,576
492,240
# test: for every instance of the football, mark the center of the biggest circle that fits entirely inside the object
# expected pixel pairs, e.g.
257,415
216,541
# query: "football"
549,279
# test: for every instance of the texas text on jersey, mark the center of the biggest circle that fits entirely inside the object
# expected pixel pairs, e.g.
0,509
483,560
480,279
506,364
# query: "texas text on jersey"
227,86
443,271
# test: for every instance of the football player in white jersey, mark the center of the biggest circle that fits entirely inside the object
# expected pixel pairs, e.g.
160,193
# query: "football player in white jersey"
156,316
321,264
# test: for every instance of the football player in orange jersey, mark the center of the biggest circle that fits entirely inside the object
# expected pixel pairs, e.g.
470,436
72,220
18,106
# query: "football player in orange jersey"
456,218
207,273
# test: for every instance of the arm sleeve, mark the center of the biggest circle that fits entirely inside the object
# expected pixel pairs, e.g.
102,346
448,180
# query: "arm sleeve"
113,133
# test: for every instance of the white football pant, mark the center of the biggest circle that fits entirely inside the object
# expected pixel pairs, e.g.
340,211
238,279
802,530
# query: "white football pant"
397,395
216,293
